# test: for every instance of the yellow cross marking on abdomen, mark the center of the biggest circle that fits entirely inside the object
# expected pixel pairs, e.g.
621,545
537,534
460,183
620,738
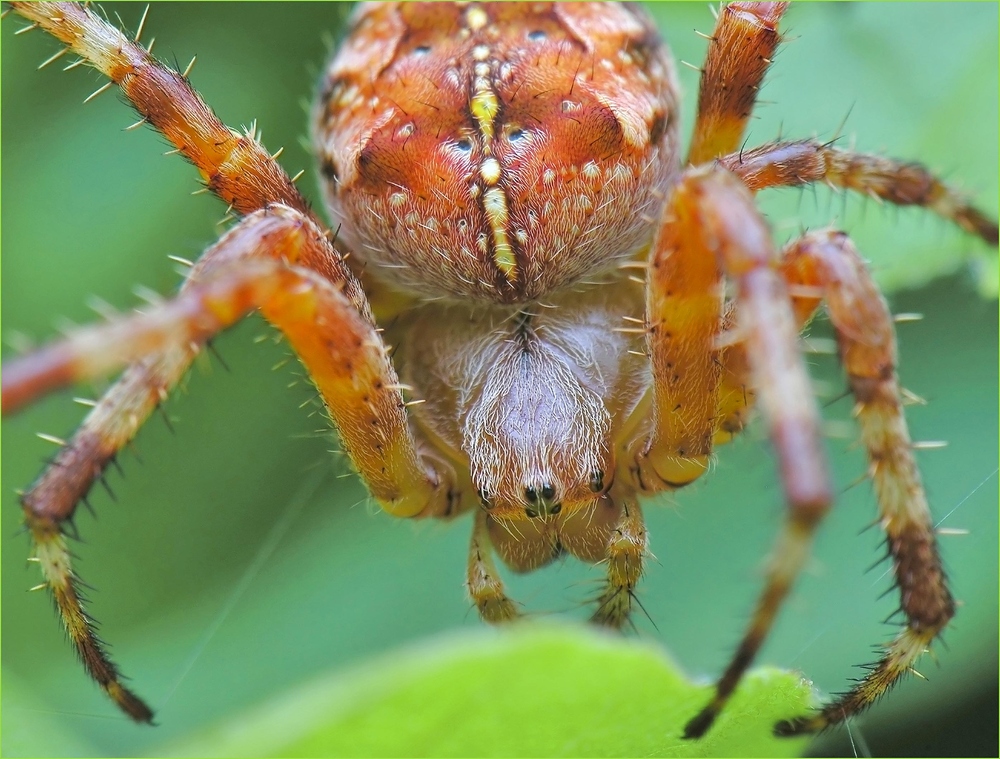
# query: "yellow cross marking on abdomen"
484,106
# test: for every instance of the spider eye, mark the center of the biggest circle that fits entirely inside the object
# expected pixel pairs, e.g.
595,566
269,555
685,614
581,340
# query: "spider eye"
597,480
464,144
516,135
537,35
541,500
484,499
422,49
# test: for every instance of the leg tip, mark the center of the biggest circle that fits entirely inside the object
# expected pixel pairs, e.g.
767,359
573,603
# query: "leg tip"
789,728
698,726
131,704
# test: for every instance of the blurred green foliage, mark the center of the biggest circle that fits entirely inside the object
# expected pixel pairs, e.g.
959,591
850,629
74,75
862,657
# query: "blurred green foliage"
532,690
89,210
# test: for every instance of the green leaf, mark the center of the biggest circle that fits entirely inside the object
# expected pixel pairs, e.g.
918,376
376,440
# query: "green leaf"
25,718
533,690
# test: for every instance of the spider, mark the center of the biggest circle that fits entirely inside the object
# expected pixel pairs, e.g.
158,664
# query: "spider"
523,483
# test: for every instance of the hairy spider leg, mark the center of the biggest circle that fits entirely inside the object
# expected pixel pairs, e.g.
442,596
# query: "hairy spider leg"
341,350
51,502
238,169
234,166
901,183
483,581
628,545
684,306
740,51
731,230
685,297
790,164
828,261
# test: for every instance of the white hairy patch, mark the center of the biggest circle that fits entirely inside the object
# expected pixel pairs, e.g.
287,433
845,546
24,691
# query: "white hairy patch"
534,423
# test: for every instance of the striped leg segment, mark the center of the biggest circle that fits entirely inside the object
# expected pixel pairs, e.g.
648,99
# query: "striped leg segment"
739,53
51,502
791,164
253,266
766,323
626,552
234,166
828,262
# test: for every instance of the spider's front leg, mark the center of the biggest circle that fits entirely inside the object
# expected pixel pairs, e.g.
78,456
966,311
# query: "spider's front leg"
234,166
828,263
685,297
710,229
258,264
740,51
279,260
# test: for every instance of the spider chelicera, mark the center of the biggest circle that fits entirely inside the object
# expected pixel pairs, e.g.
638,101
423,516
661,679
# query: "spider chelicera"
526,475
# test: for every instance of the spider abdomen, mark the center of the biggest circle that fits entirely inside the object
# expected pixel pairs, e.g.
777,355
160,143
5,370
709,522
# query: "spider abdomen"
496,154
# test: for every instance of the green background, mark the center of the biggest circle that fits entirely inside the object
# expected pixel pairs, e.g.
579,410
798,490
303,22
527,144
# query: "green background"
90,210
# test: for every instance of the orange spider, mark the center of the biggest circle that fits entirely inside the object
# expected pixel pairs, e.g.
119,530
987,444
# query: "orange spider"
509,183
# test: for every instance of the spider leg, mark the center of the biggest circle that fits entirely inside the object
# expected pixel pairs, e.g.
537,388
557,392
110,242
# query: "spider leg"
626,552
483,580
255,265
740,50
724,224
684,305
234,166
789,164
829,262
736,395
802,162
702,396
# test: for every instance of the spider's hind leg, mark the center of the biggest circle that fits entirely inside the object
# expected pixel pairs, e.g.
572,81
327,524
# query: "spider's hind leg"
794,164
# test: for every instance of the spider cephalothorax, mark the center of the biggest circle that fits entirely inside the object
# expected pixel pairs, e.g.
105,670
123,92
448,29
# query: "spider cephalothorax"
509,183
